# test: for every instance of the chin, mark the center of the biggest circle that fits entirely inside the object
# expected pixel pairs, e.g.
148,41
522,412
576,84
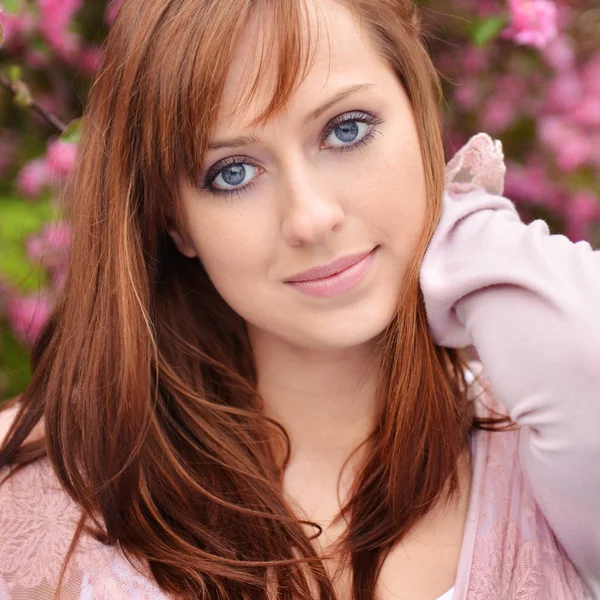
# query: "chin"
343,331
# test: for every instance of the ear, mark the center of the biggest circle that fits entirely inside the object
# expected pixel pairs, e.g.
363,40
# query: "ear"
183,245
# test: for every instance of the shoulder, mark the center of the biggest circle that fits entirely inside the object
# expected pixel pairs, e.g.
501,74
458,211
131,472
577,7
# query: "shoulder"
38,521
7,416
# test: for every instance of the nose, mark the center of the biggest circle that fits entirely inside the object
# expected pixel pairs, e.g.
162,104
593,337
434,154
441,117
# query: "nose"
310,209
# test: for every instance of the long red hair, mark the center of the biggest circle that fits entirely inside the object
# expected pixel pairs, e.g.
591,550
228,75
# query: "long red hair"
143,376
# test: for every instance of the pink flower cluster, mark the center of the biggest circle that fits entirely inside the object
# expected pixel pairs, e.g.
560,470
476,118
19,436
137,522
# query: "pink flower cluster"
529,185
60,158
16,26
111,10
52,169
569,120
54,22
533,22
544,106
50,248
581,212
27,315
33,178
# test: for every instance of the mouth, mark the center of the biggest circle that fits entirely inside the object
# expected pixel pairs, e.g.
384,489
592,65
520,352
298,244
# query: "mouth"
332,268
334,278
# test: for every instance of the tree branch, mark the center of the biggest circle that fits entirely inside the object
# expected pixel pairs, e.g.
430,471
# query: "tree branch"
42,112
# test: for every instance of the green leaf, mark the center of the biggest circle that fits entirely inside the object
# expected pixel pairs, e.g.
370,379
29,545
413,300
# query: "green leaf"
38,43
1,35
14,73
486,30
72,133
11,6
19,220
14,365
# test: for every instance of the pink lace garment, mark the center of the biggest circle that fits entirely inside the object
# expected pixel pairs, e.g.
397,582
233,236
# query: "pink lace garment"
512,549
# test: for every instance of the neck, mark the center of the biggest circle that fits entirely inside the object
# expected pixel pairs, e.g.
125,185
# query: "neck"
325,400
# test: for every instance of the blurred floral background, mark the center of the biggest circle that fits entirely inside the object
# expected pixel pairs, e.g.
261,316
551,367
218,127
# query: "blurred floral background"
525,71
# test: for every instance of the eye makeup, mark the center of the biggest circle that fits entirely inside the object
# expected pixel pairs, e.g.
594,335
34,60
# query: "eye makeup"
207,182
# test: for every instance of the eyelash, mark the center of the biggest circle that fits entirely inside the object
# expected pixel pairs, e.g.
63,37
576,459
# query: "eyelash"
347,117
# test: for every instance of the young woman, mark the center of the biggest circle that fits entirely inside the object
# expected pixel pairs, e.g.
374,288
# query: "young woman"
254,385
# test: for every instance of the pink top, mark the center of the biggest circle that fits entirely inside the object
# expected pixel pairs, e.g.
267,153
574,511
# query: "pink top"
530,304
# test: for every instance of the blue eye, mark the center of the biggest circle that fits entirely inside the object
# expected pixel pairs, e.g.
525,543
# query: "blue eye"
350,126
352,130
231,176
348,131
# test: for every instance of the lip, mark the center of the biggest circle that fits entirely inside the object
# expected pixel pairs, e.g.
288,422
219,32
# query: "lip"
340,279
333,268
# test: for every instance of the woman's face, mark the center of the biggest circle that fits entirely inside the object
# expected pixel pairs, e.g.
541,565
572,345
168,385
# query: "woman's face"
337,173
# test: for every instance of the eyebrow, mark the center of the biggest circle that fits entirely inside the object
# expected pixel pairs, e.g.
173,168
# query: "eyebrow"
245,140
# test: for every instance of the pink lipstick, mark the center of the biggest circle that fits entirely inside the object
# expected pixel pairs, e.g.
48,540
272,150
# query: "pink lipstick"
334,278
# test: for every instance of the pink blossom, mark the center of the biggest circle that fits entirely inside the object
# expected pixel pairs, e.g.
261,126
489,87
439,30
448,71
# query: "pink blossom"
90,59
590,75
15,25
516,91
467,94
61,158
566,91
565,14
571,145
65,44
58,14
497,114
50,247
530,184
54,23
587,112
111,11
582,212
595,137
473,60
552,130
533,22
36,58
511,86
575,151
33,177
27,315
559,53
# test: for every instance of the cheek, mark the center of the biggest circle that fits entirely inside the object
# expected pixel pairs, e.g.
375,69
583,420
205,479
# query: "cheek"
393,197
233,243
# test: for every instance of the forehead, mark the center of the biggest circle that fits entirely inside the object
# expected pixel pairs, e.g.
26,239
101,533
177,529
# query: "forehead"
332,50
